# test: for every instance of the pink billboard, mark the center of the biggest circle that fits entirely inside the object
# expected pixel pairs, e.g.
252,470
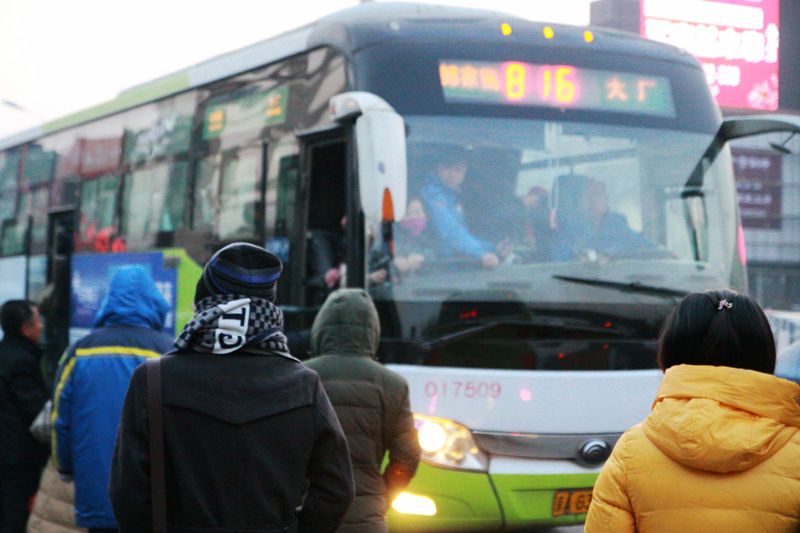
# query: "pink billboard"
736,41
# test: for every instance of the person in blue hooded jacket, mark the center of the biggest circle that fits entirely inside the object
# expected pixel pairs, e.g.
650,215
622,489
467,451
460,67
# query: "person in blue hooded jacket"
91,383
441,195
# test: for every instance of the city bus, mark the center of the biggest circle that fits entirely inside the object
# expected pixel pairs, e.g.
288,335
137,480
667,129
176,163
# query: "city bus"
525,359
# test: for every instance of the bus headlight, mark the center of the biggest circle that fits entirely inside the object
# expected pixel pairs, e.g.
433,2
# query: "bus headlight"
449,444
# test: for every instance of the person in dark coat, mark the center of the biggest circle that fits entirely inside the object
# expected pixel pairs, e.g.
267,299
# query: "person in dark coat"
584,223
91,383
251,442
23,393
371,402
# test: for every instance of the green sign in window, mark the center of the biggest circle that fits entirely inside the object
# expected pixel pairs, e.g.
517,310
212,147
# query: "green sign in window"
247,113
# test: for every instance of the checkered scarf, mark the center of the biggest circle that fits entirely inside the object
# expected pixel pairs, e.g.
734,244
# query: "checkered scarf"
225,323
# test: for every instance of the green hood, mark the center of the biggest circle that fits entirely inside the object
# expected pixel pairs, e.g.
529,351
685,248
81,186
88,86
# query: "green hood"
347,324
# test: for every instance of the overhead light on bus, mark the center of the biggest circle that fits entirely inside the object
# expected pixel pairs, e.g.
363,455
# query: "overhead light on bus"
449,444
505,28
588,36
412,504
548,32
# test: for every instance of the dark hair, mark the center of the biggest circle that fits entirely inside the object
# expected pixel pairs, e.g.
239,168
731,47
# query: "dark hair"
14,314
718,327
450,154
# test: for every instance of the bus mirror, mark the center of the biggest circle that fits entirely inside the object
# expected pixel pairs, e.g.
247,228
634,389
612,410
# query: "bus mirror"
746,126
381,145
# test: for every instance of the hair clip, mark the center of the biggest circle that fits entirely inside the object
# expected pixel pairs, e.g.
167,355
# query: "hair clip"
724,303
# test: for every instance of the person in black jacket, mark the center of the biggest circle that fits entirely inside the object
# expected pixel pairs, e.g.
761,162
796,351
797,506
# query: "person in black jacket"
23,393
372,403
250,438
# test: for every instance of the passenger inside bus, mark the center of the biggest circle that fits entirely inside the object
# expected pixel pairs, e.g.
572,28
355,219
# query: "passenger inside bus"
326,244
442,196
326,257
537,231
518,224
413,246
585,228
492,208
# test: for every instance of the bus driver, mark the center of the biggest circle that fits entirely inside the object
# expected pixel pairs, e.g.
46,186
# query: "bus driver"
585,223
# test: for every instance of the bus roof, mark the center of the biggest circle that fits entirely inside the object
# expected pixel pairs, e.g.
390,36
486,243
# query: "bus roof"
350,30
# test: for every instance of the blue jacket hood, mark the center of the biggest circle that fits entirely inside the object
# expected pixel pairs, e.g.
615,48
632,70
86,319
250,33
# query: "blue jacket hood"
132,299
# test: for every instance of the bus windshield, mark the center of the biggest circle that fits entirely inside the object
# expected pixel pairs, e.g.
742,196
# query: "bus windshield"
512,225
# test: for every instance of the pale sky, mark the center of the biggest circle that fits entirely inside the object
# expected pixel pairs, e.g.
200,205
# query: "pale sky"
61,56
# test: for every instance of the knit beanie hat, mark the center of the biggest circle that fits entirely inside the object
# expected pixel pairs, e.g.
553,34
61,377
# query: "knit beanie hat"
241,269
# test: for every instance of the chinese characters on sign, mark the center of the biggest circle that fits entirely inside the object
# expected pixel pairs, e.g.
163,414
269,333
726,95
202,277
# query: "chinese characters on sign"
736,41
758,184
246,113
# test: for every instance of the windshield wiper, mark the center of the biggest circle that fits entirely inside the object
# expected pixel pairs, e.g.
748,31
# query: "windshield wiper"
572,323
468,332
633,286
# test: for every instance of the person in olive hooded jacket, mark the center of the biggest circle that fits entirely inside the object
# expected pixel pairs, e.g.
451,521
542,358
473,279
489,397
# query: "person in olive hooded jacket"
721,449
371,402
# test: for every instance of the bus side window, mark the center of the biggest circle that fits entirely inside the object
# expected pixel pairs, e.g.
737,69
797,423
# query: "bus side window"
33,213
239,195
281,210
9,165
154,201
12,238
227,195
206,193
98,212
37,173
175,200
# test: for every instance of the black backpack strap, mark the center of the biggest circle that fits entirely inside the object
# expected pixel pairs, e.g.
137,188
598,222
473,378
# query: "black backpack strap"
155,416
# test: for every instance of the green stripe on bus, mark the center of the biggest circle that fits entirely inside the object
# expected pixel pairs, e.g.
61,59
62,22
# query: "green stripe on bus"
139,95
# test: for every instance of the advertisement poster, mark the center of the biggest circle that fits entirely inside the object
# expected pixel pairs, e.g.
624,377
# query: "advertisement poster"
736,41
758,185
91,276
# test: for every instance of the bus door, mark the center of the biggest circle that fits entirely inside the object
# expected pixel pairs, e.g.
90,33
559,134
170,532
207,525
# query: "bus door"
321,241
55,305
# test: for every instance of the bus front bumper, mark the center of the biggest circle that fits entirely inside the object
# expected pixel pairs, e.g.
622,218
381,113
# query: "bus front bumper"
514,494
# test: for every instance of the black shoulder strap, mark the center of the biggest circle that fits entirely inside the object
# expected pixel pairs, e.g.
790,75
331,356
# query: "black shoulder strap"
156,421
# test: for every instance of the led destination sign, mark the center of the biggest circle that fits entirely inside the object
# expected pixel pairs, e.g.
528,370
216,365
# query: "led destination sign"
560,86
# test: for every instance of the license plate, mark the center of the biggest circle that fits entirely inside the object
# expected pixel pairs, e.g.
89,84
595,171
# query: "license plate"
571,502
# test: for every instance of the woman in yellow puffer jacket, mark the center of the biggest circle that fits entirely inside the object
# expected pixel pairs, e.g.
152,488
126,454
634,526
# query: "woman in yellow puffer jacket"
721,449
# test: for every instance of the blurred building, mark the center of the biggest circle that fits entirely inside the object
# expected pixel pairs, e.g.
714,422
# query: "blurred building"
767,167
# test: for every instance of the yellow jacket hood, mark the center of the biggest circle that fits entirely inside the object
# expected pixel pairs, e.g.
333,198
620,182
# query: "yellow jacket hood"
722,419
